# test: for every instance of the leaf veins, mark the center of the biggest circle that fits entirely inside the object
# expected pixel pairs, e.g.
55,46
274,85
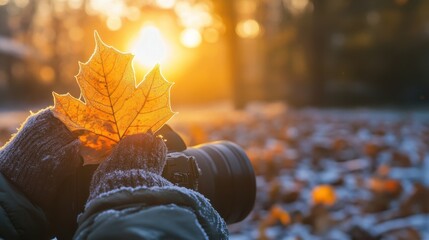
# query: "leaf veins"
112,105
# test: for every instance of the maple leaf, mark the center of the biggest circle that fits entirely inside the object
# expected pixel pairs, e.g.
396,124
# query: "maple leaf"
112,105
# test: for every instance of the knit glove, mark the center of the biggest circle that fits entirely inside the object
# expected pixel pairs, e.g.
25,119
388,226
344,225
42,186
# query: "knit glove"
136,161
40,156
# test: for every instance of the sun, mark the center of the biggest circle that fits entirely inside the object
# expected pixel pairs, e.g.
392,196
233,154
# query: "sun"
149,47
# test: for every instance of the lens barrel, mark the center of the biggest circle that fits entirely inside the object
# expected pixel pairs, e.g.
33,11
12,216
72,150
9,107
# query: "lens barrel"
227,178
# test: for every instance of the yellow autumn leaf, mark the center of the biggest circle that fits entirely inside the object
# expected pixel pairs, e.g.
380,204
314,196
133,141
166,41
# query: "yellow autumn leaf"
112,105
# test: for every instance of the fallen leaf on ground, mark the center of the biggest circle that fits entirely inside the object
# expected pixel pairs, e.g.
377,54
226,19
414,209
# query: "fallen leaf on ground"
324,195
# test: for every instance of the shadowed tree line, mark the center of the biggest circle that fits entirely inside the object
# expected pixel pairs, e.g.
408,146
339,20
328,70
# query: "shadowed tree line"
305,52
339,52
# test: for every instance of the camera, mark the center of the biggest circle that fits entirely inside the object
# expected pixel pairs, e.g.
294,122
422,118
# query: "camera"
221,171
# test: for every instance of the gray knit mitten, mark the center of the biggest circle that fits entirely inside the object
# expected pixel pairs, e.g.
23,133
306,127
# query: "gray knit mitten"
137,161
40,156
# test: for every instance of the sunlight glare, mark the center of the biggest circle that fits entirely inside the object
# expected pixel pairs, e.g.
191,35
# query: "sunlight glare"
133,13
190,38
149,47
165,3
114,23
73,4
107,8
248,28
297,6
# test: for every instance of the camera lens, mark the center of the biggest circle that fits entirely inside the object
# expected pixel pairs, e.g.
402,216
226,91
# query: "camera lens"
227,178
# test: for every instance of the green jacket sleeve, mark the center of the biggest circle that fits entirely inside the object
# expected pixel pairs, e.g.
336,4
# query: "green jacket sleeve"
151,213
19,218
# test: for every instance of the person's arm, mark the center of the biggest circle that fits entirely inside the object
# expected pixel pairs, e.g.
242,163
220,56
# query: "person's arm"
20,218
129,199
33,164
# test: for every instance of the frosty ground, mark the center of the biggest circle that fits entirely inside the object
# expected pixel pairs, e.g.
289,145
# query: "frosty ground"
321,174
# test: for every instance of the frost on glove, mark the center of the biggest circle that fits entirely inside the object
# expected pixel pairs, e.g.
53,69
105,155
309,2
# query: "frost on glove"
40,156
131,178
137,161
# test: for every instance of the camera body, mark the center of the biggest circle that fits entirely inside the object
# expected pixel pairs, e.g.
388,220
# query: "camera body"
220,171
182,170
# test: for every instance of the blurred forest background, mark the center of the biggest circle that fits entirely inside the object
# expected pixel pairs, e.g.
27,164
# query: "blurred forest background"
305,52
322,173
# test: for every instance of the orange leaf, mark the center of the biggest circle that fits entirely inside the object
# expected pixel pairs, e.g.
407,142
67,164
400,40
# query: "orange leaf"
324,195
279,213
112,105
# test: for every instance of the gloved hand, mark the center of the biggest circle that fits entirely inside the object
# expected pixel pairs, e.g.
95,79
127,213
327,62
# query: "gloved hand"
40,156
136,161
127,190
